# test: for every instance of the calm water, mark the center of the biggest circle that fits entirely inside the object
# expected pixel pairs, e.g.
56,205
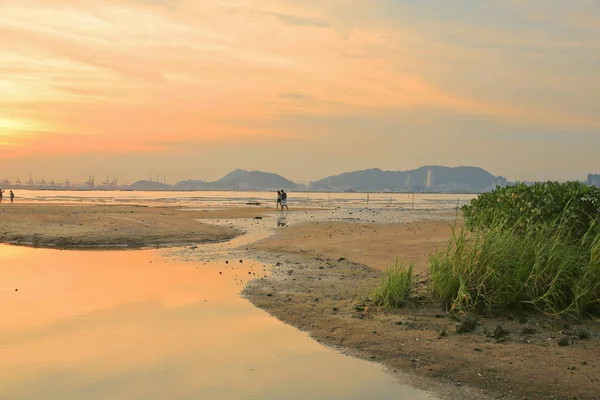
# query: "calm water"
216,198
135,325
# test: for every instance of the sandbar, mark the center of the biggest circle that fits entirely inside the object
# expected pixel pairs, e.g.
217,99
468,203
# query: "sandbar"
108,226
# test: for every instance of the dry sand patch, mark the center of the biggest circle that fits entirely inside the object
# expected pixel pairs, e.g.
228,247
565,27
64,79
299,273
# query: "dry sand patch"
100,226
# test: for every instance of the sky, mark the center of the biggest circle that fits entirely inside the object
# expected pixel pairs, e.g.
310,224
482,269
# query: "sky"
192,89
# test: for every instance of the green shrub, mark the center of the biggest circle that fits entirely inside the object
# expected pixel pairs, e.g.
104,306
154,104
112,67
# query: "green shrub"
395,287
522,207
500,263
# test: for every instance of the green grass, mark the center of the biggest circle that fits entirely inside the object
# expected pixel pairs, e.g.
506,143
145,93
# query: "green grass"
498,265
396,286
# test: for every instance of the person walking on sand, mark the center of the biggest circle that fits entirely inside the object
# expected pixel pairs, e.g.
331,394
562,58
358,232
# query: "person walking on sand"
1,191
12,196
278,201
284,200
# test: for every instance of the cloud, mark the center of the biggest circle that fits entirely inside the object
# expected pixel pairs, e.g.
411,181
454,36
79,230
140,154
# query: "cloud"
294,96
295,20
134,75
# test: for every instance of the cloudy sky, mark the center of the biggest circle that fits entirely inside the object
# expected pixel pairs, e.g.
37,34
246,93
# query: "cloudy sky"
196,88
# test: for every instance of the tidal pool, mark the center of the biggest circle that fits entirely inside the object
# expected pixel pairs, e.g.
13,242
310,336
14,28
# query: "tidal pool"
134,325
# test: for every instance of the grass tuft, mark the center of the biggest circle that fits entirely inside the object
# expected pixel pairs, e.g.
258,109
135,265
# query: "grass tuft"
396,286
500,266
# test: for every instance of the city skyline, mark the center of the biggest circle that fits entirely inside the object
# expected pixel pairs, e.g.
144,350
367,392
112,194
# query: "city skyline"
195,89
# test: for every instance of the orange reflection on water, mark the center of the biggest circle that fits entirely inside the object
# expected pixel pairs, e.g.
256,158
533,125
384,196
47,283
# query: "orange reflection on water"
53,285
130,325
71,306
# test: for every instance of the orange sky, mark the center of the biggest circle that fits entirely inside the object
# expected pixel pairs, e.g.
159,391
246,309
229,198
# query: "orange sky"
193,89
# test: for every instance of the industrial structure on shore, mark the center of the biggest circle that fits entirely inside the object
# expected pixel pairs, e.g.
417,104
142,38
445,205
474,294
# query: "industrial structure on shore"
42,184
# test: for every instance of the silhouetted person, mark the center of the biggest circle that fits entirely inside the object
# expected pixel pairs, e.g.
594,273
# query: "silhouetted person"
1,191
284,200
278,201
12,196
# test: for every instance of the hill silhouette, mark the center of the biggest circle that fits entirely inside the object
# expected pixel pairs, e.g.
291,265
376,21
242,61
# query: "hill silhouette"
472,179
145,184
241,180
233,175
442,179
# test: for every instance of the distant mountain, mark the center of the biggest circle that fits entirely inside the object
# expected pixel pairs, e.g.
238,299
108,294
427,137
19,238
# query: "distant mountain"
149,185
432,178
241,180
472,179
233,175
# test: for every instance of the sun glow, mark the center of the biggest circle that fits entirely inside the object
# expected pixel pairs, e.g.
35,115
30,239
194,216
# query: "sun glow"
10,126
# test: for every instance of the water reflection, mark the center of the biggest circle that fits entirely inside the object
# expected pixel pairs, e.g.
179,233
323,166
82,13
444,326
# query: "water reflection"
282,219
129,325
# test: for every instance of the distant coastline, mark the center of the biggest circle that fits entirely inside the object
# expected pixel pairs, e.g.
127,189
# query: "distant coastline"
426,179
433,179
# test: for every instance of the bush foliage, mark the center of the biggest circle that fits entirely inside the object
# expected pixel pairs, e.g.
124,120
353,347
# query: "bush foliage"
521,206
536,246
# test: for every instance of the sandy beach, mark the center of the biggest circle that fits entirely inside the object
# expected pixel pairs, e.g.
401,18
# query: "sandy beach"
324,263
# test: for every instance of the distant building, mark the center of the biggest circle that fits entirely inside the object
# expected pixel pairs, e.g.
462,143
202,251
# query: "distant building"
593,180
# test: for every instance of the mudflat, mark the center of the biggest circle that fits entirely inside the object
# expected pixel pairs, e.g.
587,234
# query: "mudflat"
107,226
328,271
